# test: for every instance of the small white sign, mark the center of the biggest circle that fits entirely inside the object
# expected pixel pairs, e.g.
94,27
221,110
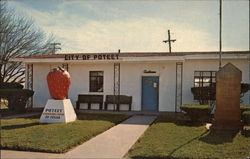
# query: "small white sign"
58,111
155,85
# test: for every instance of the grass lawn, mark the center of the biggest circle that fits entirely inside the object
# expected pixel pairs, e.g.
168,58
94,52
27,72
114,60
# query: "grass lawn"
28,134
169,137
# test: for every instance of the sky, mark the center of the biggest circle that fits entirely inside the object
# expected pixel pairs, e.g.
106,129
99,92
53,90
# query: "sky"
85,26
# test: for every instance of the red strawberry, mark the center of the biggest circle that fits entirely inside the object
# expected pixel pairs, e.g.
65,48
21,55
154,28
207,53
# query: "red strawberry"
58,82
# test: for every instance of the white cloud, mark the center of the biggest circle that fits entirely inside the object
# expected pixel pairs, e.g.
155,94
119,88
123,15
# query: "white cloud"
77,33
137,35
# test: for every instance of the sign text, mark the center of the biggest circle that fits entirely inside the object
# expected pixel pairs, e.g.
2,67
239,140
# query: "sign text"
91,57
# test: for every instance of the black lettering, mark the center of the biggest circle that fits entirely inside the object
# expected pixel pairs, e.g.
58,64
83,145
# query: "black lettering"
112,57
77,56
55,117
88,57
95,57
84,57
117,56
72,57
104,56
66,57
47,110
99,57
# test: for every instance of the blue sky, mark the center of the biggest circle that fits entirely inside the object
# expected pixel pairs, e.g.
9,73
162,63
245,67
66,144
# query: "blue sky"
141,25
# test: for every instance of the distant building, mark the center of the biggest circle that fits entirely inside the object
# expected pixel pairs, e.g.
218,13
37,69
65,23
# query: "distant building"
156,81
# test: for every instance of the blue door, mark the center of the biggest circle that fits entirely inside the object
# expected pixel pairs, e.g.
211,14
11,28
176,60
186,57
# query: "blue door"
150,87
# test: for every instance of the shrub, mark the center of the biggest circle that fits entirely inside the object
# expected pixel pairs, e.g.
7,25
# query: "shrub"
246,117
17,98
205,94
195,111
244,108
14,85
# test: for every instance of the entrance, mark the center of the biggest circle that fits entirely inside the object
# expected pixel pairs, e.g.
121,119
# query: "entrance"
150,91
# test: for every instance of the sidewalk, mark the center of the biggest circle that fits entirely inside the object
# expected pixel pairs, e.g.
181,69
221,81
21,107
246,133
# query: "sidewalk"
113,143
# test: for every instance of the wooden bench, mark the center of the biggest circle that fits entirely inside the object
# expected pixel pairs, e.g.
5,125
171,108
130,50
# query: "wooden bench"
89,98
118,99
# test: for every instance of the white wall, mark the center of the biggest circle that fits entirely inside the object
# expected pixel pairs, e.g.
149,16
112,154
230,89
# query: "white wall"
131,77
40,86
80,79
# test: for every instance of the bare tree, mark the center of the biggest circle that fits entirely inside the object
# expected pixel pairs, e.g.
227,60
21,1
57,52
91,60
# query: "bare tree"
18,37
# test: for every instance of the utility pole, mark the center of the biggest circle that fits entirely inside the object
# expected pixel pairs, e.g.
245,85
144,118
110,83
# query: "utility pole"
249,56
169,41
220,43
54,47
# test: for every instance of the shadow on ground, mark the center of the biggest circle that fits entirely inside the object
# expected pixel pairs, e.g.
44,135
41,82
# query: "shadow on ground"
219,136
179,119
10,127
168,157
102,117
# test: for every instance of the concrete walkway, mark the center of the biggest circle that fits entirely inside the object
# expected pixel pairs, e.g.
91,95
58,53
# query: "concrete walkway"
113,143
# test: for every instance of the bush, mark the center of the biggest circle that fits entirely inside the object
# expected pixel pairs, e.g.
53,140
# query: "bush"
13,85
195,111
244,108
246,117
17,98
205,94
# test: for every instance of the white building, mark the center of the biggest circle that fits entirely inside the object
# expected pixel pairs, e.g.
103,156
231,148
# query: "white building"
156,81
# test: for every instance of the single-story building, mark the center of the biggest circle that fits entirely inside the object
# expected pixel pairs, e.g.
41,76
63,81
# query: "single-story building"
156,81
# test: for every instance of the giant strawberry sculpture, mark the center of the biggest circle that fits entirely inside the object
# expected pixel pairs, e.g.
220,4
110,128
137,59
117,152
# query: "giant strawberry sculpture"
58,82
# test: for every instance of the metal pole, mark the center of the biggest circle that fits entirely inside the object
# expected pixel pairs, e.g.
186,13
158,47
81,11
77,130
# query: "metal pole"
249,52
220,34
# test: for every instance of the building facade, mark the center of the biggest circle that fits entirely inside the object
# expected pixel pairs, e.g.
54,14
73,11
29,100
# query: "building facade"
156,81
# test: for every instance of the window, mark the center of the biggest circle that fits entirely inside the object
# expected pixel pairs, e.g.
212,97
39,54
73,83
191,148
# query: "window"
204,78
96,81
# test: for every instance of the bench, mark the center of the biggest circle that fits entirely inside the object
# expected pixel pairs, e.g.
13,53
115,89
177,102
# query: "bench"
89,98
118,99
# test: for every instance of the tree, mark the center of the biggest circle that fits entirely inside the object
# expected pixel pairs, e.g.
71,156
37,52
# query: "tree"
18,37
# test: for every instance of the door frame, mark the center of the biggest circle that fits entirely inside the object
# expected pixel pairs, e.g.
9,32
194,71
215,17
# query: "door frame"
157,103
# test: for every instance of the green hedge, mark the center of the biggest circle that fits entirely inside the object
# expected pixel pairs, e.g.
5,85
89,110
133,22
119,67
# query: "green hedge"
17,98
246,117
195,111
204,94
244,108
14,85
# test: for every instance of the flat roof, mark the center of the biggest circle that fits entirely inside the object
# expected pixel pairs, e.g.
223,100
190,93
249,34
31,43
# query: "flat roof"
140,54
132,56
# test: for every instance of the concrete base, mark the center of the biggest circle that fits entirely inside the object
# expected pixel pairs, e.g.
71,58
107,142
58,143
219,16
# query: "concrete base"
58,111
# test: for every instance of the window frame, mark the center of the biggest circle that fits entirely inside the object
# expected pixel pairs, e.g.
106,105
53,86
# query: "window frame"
201,76
96,84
